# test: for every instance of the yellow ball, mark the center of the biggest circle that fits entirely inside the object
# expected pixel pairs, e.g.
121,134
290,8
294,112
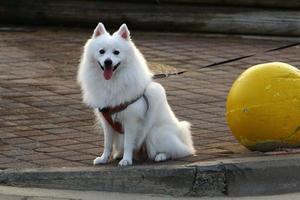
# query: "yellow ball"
263,107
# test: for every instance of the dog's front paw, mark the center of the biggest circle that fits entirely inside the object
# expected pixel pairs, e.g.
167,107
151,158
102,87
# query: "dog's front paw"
124,162
100,160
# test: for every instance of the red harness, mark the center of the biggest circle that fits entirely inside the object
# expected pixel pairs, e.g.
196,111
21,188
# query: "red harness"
107,112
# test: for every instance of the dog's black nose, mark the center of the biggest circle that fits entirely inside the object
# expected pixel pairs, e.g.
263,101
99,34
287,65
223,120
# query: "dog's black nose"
108,62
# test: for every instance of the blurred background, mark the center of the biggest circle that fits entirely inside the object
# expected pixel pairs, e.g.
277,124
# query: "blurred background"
259,17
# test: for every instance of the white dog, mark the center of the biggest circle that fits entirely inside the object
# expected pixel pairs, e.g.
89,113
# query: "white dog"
117,82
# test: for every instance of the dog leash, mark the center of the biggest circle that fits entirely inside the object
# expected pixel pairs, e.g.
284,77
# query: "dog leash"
166,75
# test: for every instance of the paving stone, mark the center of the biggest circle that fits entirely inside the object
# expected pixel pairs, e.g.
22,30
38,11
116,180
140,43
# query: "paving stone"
44,123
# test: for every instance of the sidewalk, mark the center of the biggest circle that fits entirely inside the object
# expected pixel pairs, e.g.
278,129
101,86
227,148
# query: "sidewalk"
15,193
44,124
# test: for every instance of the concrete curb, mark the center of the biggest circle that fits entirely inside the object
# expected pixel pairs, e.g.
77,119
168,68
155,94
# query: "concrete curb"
253,176
173,180
233,177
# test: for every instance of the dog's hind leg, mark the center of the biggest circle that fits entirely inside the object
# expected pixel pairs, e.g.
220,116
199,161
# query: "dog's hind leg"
163,143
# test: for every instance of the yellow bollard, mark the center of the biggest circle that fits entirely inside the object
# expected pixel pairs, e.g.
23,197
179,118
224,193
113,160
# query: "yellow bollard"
263,107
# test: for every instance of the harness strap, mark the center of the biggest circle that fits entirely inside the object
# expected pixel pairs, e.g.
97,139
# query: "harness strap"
147,102
107,112
117,126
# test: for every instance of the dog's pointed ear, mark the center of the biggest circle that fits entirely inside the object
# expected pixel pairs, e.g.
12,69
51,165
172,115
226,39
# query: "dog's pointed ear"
99,30
124,32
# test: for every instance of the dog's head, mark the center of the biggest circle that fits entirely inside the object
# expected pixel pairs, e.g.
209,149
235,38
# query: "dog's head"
110,52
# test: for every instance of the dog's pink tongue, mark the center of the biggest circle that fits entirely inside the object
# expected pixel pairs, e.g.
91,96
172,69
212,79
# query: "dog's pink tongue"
108,72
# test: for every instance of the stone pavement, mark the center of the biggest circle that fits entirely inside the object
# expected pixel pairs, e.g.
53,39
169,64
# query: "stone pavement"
43,122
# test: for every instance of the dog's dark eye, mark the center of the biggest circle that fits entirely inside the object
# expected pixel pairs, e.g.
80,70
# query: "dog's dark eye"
102,51
116,52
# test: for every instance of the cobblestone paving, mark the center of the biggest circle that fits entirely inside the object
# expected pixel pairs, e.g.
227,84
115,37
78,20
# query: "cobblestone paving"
43,122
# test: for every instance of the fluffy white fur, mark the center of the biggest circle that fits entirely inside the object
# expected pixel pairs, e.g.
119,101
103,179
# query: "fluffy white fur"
164,135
